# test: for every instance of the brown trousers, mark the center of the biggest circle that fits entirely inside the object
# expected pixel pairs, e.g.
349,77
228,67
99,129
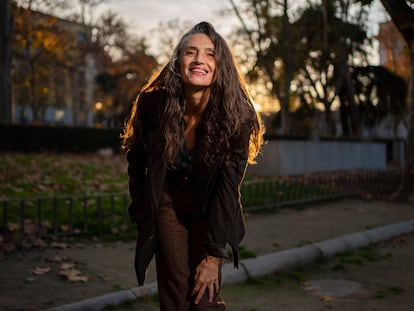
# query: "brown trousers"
180,235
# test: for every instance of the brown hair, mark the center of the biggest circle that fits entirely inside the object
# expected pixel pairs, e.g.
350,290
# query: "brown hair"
229,109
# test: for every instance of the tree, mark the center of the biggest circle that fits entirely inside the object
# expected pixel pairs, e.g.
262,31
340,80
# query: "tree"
270,38
125,67
55,57
5,60
379,93
402,15
331,39
38,44
307,60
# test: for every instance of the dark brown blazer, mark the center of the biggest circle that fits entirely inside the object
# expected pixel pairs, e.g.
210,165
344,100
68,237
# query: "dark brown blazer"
220,199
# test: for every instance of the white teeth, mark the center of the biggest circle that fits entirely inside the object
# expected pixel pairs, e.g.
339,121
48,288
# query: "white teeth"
198,70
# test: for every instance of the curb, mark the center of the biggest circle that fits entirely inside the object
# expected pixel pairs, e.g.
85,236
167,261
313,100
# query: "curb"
260,266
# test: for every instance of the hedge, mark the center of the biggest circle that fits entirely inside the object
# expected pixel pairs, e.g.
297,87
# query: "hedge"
38,138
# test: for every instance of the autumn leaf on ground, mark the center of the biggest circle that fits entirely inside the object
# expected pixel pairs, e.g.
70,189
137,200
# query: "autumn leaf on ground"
400,239
30,228
39,243
56,258
64,228
307,286
46,224
67,266
79,245
73,275
13,227
40,270
326,298
105,278
59,245
33,242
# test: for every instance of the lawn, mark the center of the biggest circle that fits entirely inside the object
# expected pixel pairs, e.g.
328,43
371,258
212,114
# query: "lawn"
87,192
44,174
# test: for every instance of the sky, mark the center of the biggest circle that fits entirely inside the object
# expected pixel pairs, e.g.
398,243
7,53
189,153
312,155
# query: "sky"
144,15
147,14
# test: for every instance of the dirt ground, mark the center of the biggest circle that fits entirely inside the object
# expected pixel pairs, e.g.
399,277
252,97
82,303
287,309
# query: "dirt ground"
30,280
381,284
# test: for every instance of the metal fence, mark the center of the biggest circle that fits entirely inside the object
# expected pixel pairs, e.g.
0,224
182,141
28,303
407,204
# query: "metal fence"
94,214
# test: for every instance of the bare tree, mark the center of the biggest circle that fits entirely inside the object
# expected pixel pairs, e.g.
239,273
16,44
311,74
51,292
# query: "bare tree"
5,60
271,31
402,15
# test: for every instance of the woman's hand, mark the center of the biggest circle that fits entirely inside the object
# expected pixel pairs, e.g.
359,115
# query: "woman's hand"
206,277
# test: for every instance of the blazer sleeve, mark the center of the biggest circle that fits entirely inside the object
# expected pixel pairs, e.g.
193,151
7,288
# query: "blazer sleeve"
225,205
136,159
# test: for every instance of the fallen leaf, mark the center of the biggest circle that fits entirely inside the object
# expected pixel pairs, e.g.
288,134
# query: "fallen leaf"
64,228
105,278
400,239
73,275
67,266
79,245
13,227
40,270
78,278
30,228
326,298
46,224
58,245
39,243
56,258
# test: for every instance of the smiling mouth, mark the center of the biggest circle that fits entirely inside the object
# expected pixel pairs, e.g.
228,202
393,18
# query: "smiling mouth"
199,71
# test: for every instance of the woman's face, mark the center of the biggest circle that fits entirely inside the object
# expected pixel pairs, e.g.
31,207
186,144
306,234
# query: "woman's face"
198,61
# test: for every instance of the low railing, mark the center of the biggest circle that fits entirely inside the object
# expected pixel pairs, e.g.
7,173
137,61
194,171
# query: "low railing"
94,214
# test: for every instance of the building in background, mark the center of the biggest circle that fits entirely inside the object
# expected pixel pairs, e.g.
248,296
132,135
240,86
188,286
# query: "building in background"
54,70
393,50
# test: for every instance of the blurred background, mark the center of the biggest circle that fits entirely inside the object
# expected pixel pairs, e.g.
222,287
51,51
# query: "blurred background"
326,68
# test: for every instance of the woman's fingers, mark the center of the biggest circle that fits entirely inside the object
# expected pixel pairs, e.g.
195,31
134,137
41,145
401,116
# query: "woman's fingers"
200,294
206,278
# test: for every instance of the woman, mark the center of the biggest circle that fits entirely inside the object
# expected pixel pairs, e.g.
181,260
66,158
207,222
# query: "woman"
190,135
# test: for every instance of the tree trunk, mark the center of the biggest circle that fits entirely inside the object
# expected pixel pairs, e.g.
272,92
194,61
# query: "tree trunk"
6,26
33,91
402,16
346,94
288,73
406,188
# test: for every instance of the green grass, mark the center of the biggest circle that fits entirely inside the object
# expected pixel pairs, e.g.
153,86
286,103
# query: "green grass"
388,291
84,176
359,257
42,174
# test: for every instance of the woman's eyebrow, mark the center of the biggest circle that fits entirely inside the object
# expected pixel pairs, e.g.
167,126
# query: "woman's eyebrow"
192,47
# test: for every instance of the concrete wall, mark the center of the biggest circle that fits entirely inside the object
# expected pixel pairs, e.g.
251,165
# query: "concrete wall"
289,157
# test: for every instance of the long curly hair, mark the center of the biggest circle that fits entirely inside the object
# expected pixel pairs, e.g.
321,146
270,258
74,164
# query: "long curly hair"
229,108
